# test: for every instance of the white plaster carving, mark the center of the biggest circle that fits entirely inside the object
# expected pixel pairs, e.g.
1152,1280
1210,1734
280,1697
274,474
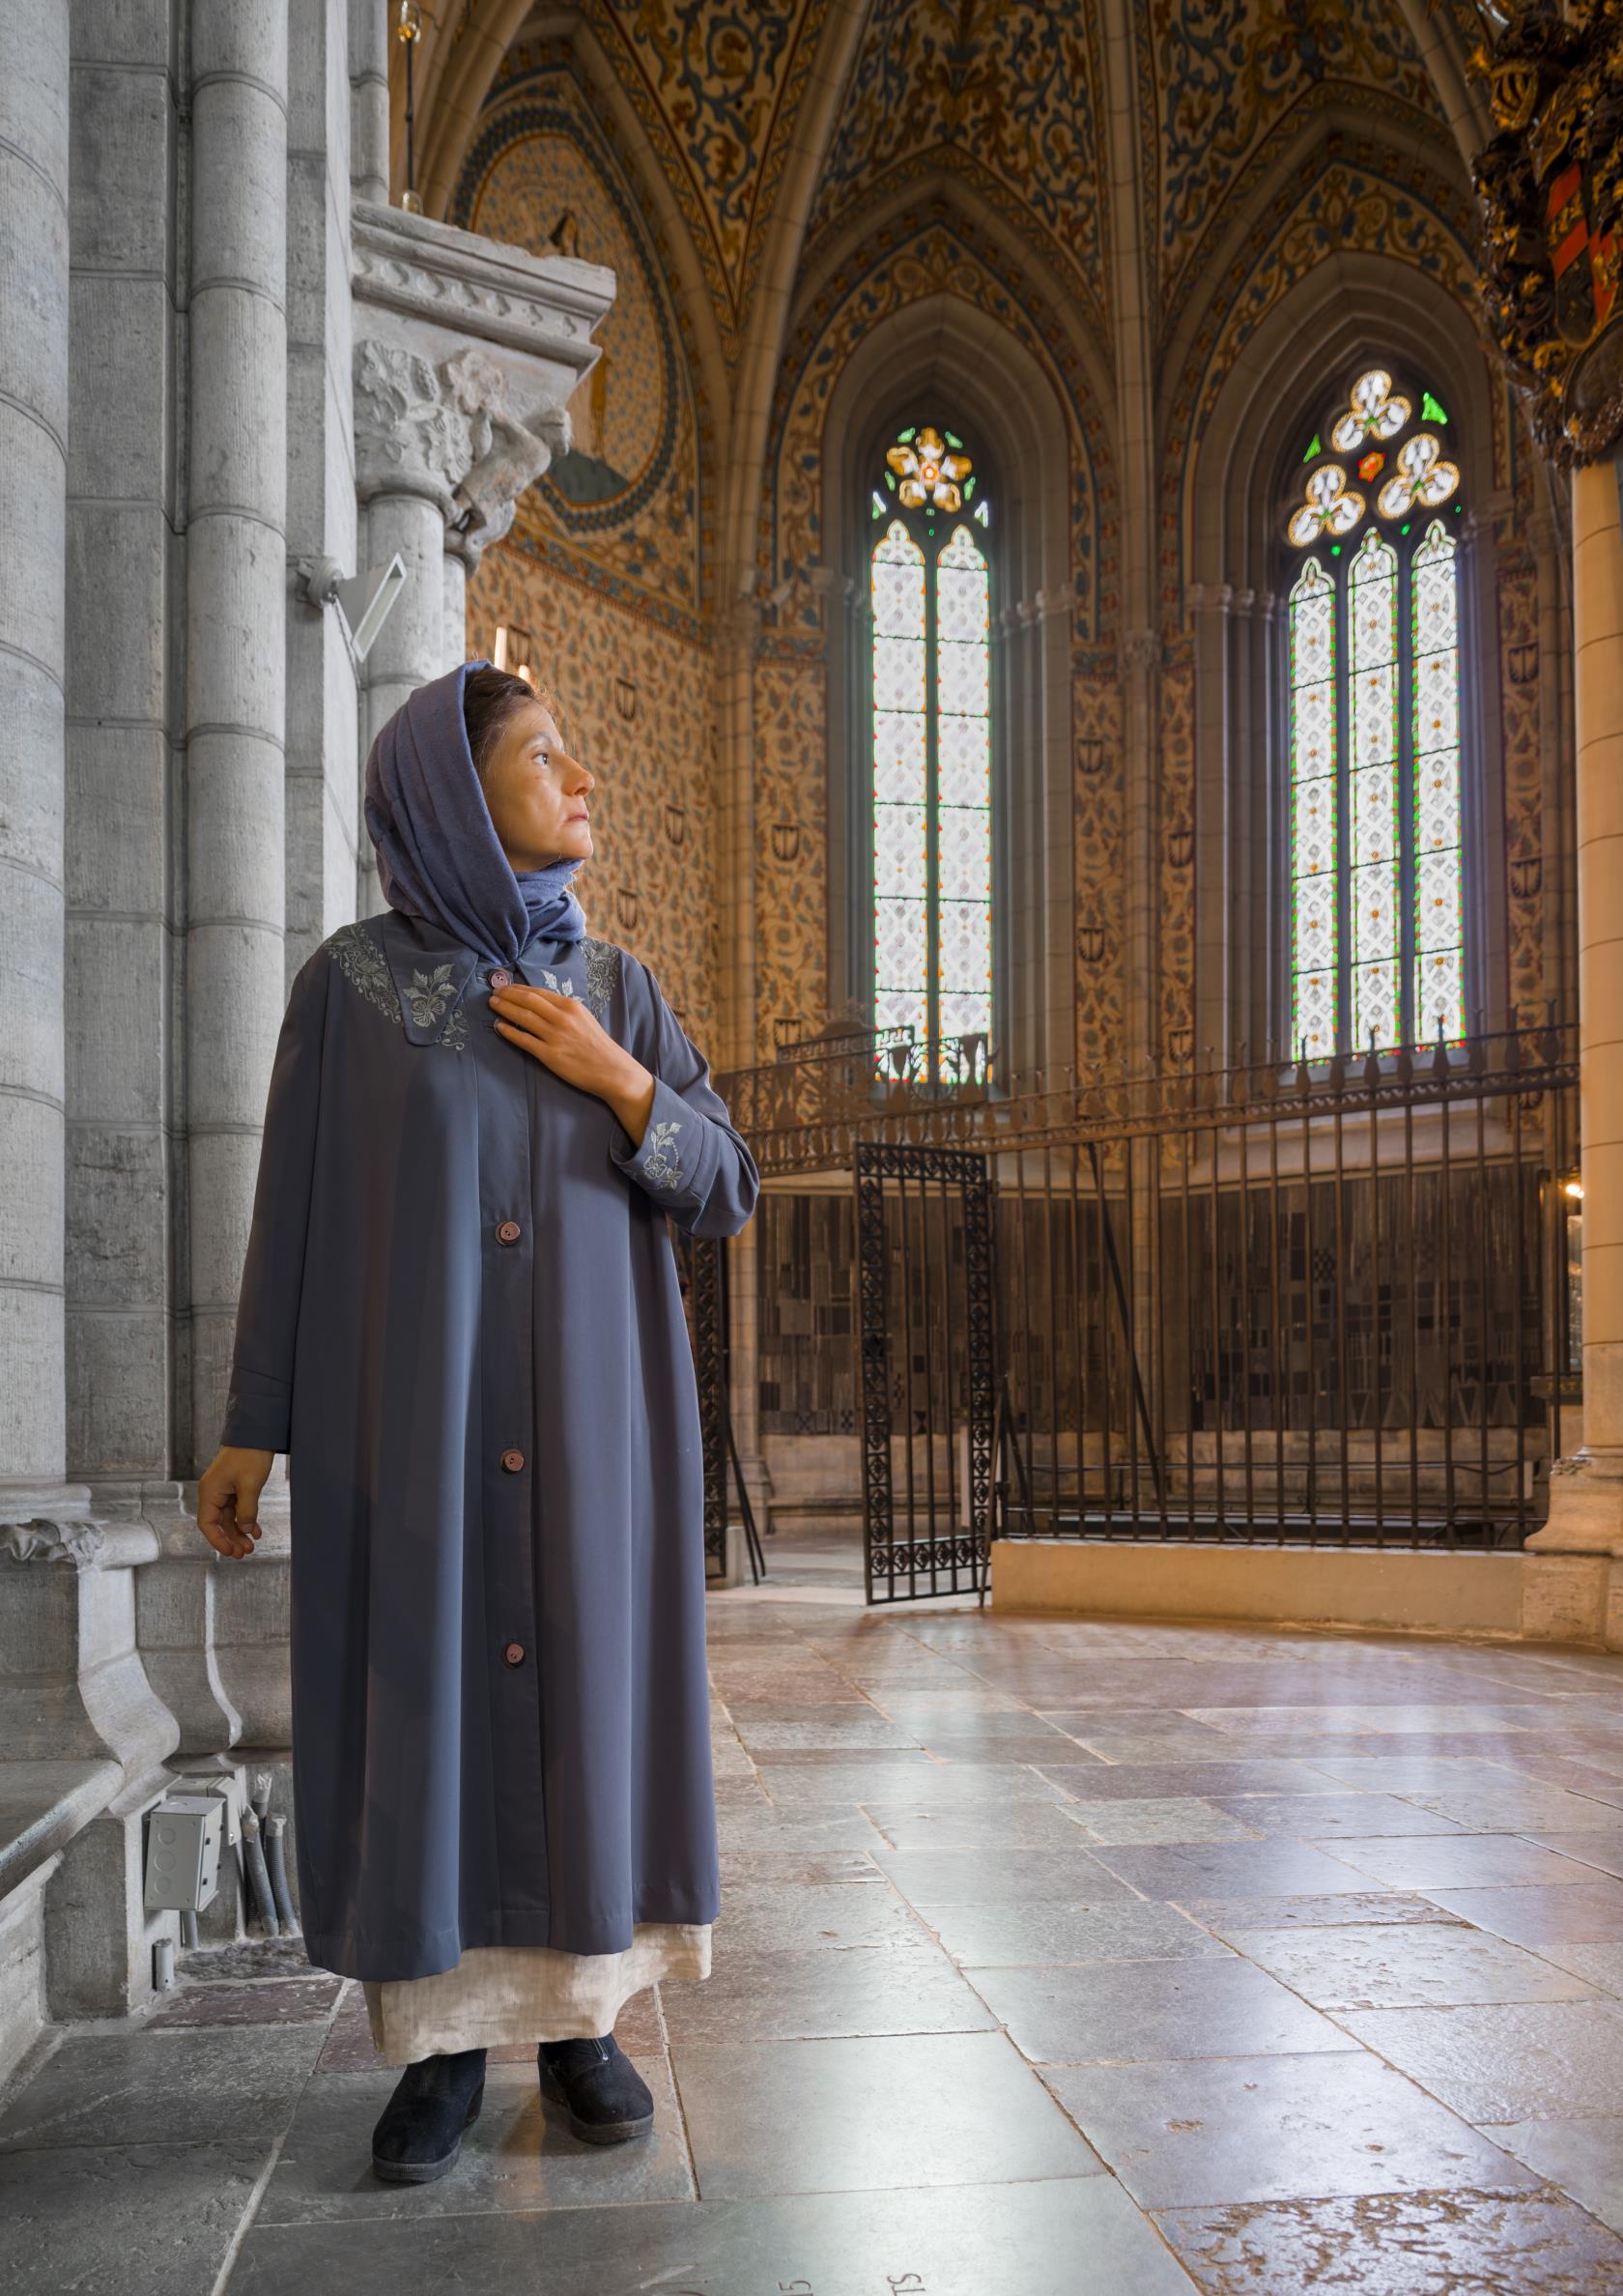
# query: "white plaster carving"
48,1538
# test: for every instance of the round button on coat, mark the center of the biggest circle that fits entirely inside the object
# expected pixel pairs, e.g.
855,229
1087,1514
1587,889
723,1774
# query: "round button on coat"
512,1460
514,1653
508,1232
502,978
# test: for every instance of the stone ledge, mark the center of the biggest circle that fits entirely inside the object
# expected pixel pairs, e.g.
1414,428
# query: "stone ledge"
1503,1598
43,1805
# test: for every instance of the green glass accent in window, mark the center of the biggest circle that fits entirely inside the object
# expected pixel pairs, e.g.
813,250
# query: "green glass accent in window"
1430,409
1313,448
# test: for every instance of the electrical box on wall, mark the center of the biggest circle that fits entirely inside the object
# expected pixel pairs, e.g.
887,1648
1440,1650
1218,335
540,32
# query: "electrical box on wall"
183,1836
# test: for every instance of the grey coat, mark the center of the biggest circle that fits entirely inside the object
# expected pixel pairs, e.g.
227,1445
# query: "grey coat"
460,1318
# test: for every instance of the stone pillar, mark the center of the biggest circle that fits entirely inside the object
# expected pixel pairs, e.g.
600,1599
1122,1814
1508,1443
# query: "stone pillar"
236,645
369,101
1218,922
127,554
465,356
33,509
1141,735
1586,1489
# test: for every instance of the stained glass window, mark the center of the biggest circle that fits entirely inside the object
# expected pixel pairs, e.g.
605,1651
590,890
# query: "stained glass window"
1376,935
930,799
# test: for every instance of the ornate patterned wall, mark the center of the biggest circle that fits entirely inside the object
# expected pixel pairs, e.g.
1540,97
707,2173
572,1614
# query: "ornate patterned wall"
792,842
1521,700
1101,847
638,698
625,501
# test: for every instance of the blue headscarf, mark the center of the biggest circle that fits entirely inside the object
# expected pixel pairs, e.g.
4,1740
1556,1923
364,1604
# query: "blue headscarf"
438,856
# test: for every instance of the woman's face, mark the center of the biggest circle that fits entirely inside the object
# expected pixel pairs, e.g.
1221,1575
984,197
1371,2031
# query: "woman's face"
537,793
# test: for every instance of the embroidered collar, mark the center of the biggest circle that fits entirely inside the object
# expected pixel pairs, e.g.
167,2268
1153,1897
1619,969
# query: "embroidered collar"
433,973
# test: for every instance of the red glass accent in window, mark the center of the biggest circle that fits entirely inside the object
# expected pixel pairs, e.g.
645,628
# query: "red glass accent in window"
1372,465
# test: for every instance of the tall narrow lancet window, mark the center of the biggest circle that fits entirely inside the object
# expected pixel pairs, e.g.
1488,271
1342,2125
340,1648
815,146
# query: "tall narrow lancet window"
1376,927
931,792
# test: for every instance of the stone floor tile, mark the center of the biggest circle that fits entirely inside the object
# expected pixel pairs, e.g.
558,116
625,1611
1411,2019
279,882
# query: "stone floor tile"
804,1830
891,1778
1575,1912
1320,1817
836,1727
1228,1869
1096,1780
1399,2244
962,1746
1068,2236
762,1916
1275,2127
1147,1738
275,2001
1136,2012
1603,1852
1415,1964
1016,1827
1048,1931
1601,1962
1408,1774
1166,1818
349,2047
1227,1916
135,2219
820,1996
1584,2156
791,1866
518,2154
1394,1720
1508,2062
963,1875
178,2087
1460,1861
853,2115
1519,1808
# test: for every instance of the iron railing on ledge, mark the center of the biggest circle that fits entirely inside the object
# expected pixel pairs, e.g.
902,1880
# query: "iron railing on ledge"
1301,1305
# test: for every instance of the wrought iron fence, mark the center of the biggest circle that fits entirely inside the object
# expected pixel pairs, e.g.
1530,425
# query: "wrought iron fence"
1330,1304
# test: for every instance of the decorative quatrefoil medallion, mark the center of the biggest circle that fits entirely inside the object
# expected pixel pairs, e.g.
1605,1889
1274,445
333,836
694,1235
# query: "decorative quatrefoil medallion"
1421,477
1375,412
1330,507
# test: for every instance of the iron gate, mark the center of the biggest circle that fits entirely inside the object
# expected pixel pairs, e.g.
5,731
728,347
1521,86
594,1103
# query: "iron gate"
927,1354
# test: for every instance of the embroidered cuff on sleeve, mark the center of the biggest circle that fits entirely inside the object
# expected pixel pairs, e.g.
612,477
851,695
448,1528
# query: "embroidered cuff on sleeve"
677,1153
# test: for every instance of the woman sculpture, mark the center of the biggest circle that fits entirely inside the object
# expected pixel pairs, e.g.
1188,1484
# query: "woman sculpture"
460,1318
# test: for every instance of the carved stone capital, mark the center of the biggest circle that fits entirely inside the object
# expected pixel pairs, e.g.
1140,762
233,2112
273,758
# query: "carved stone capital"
1141,649
465,356
1213,597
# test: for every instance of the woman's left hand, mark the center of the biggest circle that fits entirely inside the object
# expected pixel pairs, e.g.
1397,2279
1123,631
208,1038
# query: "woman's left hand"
564,1034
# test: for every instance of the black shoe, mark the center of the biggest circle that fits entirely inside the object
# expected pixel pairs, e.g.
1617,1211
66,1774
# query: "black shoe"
601,2090
420,2133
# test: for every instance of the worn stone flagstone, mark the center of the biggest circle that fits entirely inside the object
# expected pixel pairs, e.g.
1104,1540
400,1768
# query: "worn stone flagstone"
1209,2003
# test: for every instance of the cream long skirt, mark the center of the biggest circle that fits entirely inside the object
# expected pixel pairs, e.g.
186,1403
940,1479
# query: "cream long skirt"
497,1993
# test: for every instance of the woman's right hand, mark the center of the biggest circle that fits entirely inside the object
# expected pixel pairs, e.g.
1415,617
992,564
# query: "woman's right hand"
228,1499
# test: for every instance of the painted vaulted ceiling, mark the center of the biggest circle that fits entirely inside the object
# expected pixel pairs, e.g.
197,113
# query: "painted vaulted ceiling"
752,166
1008,101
